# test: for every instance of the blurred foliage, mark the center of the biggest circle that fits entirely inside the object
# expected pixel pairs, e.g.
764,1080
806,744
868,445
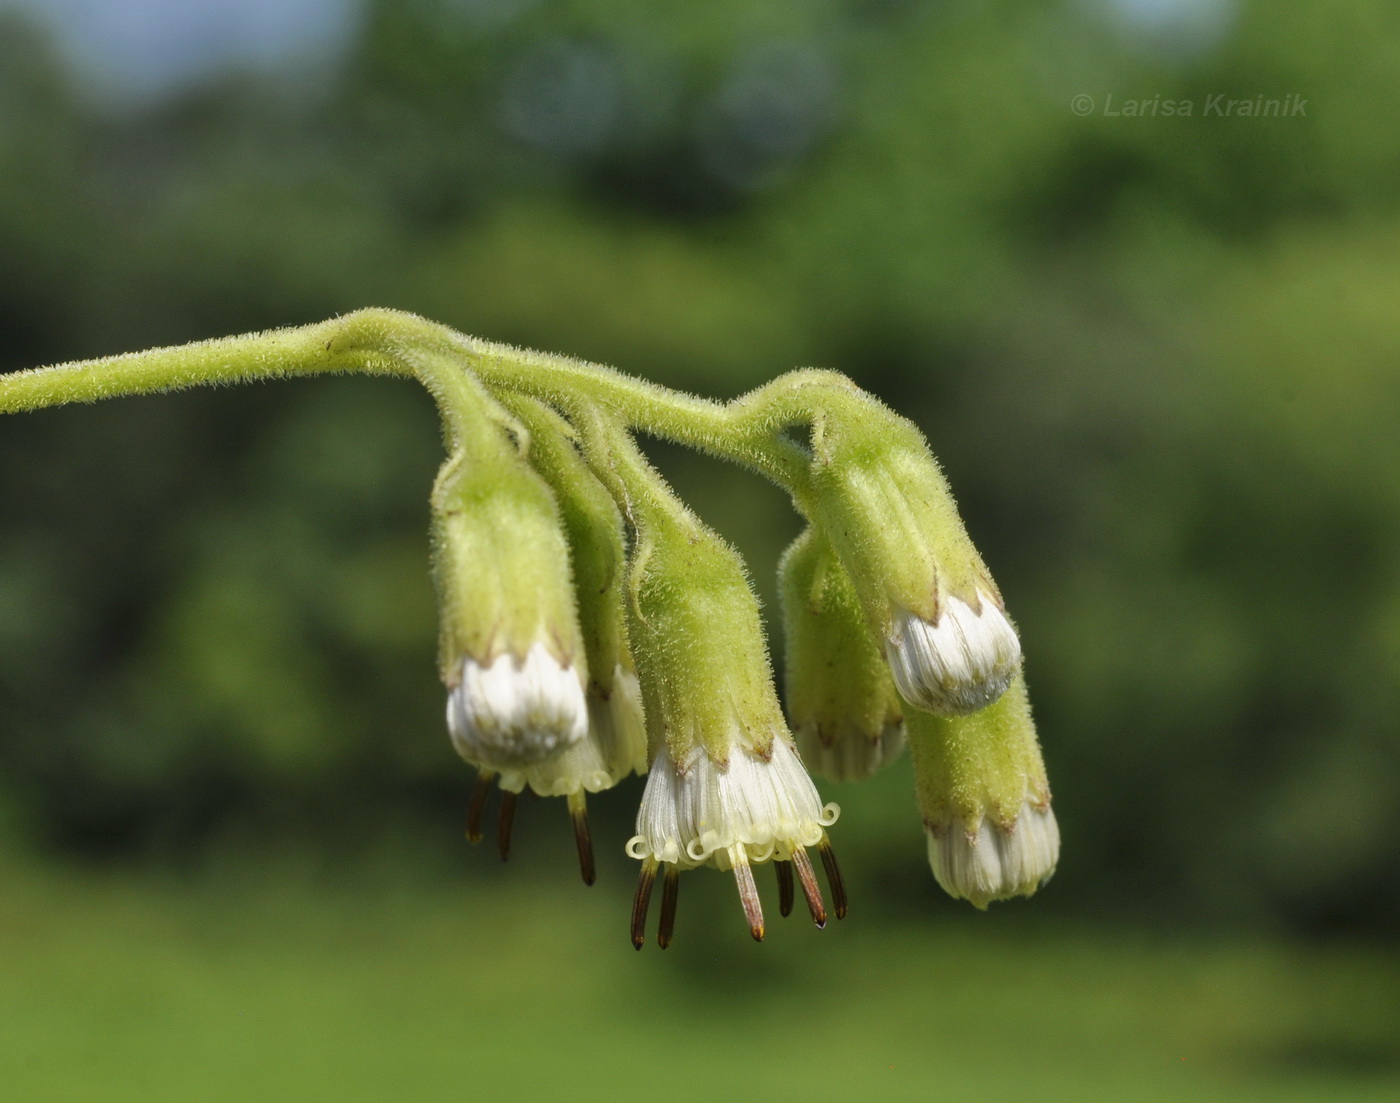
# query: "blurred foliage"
289,984
1157,356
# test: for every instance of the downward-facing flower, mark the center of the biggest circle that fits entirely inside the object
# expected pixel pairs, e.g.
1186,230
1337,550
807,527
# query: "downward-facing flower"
889,608
996,860
511,650
726,787
985,799
841,700
755,805
515,711
615,743
926,593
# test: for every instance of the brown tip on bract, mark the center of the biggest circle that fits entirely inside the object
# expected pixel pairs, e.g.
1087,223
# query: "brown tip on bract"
670,887
641,900
748,896
784,872
583,839
833,877
477,808
810,889
507,823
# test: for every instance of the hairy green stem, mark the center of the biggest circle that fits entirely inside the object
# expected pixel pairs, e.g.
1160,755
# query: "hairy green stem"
742,431
364,343
751,430
641,493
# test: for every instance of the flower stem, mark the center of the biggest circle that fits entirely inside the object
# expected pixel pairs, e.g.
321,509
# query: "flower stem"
639,490
366,342
751,430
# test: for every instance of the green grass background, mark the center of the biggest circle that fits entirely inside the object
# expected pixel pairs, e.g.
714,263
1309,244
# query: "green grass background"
374,983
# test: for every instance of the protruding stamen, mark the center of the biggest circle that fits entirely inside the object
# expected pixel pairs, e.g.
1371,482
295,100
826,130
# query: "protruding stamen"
669,889
477,808
810,890
833,877
578,812
507,822
784,872
641,900
748,894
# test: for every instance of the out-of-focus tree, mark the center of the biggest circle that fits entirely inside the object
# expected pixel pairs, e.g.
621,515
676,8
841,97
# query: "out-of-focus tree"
1157,354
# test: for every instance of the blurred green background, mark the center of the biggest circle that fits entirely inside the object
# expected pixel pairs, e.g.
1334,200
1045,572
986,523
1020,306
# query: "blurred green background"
1158,356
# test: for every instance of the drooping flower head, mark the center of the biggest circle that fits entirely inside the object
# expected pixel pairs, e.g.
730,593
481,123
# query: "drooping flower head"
593,528
542,688
982,789
959,663
613,748
753,807
726,787
927,595
510,711
510,650
615,744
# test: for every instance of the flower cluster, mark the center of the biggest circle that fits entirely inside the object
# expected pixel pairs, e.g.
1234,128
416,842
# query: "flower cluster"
895,635
593,627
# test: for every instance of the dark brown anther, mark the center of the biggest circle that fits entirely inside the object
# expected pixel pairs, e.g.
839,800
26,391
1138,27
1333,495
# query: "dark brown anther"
507,822
578,812
784,872
641,900
748,896
477,808
807,875
669,889
833,877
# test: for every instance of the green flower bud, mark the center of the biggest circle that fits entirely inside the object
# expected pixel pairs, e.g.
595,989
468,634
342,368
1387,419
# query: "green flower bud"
981,786
887,510
511,651
841,700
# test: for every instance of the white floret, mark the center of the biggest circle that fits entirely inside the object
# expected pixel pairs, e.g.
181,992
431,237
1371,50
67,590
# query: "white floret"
750,809
959,665
512,713
990,862
614,747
